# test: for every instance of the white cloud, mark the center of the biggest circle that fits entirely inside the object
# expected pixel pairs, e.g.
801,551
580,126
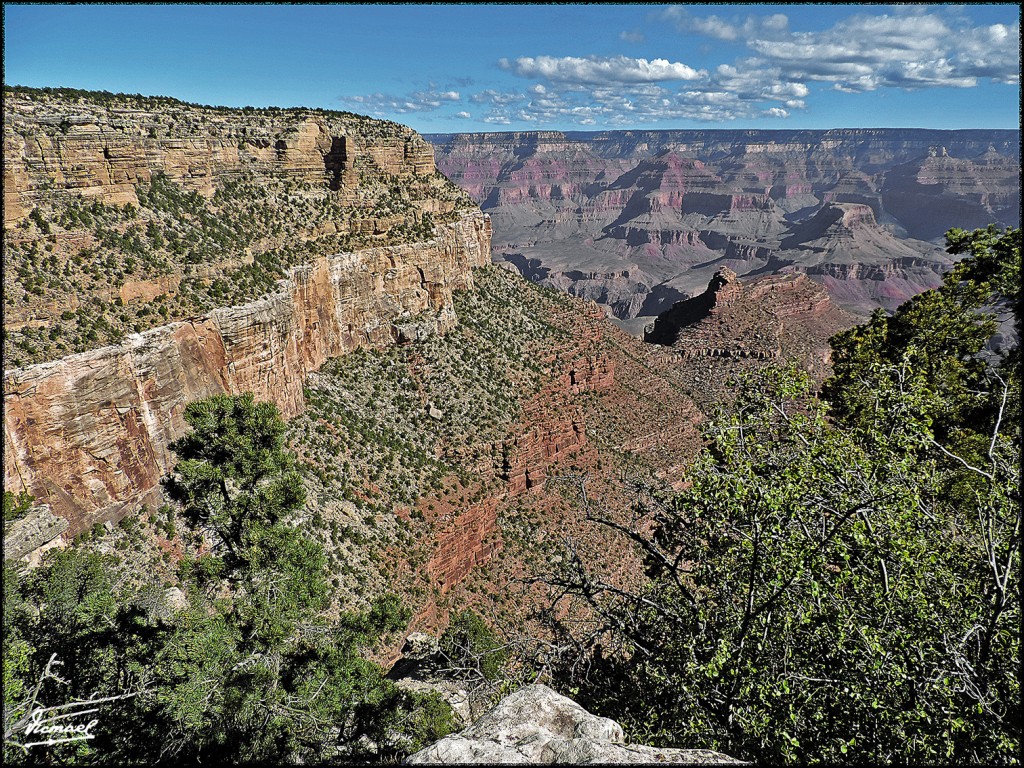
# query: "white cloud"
600,69
992,52
908,49
491,96
624,105
726,29
417,101
633,36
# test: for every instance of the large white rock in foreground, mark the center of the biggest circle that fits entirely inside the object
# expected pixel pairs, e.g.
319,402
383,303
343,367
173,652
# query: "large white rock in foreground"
537,726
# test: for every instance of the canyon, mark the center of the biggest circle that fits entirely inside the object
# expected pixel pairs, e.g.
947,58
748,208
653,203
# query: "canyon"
460,432
334,235
87,433
637,220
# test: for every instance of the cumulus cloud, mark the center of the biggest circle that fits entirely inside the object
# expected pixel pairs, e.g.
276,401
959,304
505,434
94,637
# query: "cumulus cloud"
908,47
758,83
991,52
622,105
600,69
491,96
867,52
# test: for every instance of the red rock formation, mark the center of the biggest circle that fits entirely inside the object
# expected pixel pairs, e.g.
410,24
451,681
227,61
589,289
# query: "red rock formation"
88,434
464,542
674,205
770,317
529,453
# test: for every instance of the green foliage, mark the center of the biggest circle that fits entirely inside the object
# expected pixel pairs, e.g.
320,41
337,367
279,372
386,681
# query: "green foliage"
71,608
259,674
936,339
472,648
249,670
840,588
17,506
234,476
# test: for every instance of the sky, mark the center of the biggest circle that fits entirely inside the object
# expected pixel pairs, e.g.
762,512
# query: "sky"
459,68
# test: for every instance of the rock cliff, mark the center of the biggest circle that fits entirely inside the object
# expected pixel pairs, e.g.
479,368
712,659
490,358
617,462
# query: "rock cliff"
125,212
88,434
156,252
582,211
102,148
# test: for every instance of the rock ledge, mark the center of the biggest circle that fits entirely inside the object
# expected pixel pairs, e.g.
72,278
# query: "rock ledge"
537,726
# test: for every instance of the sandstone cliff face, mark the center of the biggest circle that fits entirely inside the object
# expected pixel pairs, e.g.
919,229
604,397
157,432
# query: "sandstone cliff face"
88,434
128,212
102,152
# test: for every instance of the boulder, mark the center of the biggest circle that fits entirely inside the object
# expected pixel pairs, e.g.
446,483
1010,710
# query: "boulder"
40,526
537,726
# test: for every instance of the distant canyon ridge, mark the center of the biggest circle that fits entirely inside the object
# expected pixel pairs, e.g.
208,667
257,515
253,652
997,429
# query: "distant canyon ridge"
637,220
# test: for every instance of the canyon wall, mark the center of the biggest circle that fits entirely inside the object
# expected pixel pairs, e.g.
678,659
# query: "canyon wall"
88,434
639,219
101,152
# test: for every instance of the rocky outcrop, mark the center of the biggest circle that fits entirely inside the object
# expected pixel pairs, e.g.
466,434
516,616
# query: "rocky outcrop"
528,455
552,427
102,151
536,726
578,211
89,434
772,317
467,540
39,527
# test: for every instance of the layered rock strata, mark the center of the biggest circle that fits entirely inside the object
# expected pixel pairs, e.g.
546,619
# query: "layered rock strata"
89,434
101,152
639,219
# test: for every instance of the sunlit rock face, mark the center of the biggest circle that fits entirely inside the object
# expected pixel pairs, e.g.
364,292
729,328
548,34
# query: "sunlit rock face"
536,726
89,433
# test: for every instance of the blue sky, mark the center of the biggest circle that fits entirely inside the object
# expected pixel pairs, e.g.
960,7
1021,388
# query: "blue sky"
442,68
